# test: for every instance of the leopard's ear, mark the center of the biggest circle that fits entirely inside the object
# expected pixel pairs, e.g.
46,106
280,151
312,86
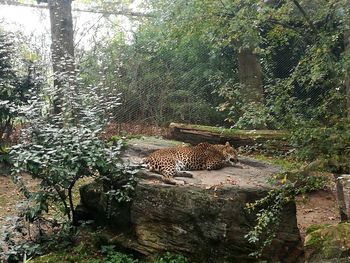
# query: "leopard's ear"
227,144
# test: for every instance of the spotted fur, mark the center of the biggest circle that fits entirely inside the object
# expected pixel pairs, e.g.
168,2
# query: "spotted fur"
175,161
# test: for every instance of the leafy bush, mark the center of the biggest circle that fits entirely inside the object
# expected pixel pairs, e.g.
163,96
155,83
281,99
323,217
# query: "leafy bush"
171,258
16,79
59,157
113,256
269,208
160,81
330,145
10,249
83,253
59,148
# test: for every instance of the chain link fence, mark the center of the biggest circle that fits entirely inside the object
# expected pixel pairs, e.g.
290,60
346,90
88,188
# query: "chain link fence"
197,85
161,79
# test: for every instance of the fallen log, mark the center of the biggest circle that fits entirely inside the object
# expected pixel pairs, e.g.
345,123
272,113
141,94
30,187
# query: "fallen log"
261,139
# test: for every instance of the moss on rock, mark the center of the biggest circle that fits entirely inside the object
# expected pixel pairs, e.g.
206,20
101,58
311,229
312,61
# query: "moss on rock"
327,242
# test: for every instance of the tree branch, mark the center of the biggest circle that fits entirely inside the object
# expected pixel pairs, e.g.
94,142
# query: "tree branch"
121,11
307,18
286,25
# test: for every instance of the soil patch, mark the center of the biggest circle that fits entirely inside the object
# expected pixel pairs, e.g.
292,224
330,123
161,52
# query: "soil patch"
9,197
317,208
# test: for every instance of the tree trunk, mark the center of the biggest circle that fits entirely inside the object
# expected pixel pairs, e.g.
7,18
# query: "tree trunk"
71,206
341,199
62,48
347,76
250,76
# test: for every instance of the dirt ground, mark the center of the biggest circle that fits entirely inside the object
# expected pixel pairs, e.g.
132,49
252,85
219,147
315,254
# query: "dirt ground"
317,208
9,197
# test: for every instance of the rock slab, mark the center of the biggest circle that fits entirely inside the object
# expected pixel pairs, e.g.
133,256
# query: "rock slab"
204,219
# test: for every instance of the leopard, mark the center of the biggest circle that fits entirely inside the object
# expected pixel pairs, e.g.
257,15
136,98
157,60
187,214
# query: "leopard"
178,161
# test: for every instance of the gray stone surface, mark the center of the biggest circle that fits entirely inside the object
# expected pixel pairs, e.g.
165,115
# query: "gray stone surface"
248,173
203,218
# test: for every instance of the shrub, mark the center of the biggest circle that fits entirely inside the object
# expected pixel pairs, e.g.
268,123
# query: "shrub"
328,144
269,208
16,79
58,149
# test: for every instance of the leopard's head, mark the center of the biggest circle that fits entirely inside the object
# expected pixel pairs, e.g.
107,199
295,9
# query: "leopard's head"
230,154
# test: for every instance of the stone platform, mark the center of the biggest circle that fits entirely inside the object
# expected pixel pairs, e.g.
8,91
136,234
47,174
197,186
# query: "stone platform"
203,217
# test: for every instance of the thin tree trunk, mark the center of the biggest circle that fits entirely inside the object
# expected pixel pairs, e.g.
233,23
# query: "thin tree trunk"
305,15
71,206
62,196
348,203
62,48
250,76
347,76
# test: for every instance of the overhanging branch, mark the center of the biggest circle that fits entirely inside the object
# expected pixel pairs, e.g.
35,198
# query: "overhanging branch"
307,18
110,11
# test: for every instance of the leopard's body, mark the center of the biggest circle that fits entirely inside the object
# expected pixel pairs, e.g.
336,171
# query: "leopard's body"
172,162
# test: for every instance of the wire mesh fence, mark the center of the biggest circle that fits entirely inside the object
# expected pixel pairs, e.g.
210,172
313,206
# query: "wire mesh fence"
163,73
194,84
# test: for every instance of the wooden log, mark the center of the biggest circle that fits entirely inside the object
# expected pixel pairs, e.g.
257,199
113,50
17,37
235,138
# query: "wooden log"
263,139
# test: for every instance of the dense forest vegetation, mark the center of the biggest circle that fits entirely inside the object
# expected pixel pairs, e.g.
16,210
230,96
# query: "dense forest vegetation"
256,65
274,64
197,50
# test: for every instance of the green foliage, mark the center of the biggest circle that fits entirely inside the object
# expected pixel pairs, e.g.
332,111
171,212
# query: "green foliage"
59,147
10,249
80,253
303,65
58,157
61,156
14,246
16,79
313,228
269,208
112,256
171,258
285,162
160,80
181,63
328,144
83,253
254,116
8,83
302,69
